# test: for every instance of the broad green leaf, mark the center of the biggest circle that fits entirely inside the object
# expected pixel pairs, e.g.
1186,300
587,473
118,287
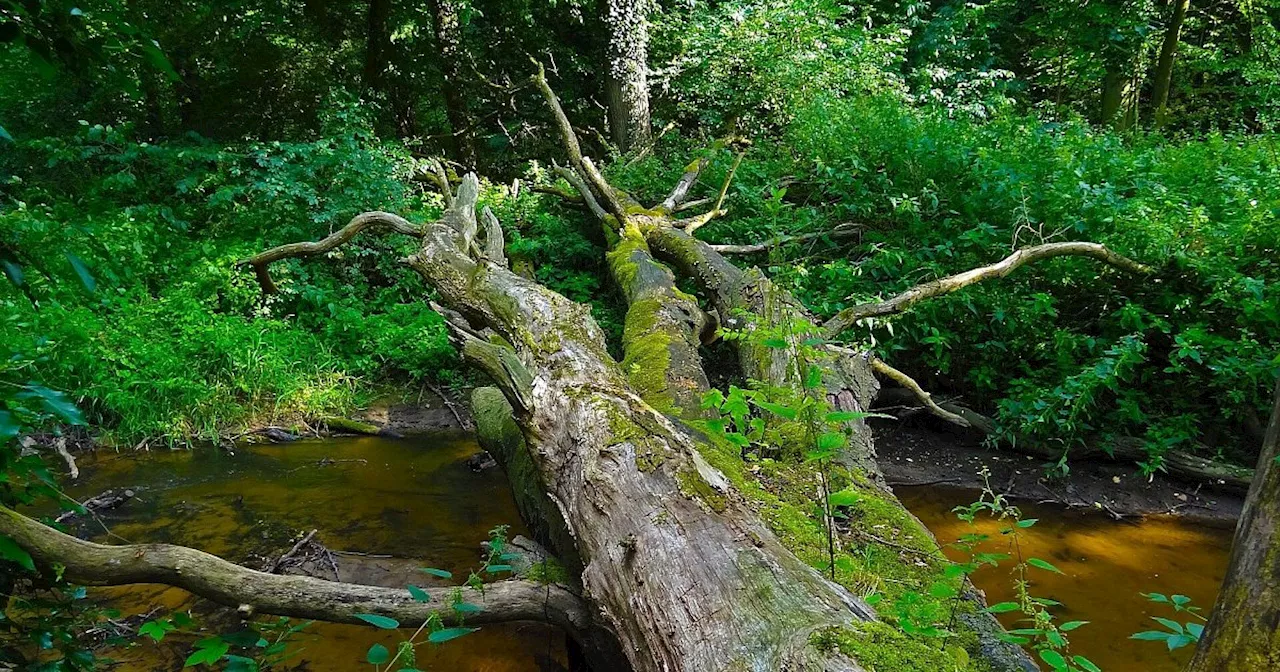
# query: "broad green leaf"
377,655
775,343
1195,630
467,608
4,135
1043,564
1027,522
13,271
441,636
1071,625
494,569
437,572
208,651
8,427
1053,658
379,621
1151,636
1003,607
419,594
1086,664
11,551
82,271
779,410
1169,623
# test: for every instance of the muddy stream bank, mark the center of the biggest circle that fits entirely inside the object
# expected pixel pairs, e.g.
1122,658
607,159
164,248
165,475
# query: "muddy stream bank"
411,503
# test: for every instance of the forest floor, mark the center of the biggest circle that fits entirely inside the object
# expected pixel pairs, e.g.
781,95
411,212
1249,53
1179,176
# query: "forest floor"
916,455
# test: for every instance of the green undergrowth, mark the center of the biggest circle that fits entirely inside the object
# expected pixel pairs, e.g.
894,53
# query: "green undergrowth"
786,495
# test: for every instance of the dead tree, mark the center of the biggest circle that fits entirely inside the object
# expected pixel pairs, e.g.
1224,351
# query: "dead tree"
673,568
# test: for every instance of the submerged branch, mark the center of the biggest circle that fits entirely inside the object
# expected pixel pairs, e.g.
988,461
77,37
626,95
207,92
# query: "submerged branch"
850,316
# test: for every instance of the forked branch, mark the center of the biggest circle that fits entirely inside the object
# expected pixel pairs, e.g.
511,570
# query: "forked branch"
262,261
230,584
850,316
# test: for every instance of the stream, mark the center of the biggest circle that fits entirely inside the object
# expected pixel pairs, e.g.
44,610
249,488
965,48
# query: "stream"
417,501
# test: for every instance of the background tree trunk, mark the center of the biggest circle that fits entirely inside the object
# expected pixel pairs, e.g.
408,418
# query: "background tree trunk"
377,46
1164,67
448,32
1243,634
627,56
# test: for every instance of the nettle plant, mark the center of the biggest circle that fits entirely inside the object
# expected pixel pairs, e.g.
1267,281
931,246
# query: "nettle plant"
1040,633
496,561
778,423
1176,634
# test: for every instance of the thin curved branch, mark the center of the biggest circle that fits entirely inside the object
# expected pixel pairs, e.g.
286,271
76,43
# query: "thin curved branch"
918,392
842,231
849,316
695,223
601,189
262,261
230,584
575,180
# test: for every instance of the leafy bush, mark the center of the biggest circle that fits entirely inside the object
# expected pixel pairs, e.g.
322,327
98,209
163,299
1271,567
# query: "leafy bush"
122,259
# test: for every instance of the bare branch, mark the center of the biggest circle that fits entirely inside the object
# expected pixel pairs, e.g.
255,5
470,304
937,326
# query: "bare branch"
602,190
226,583
575,180
849,316
918,392
695,223
845,230
263,260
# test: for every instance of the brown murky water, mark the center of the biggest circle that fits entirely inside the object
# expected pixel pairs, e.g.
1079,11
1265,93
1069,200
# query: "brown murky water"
416,499
1105,565
412,498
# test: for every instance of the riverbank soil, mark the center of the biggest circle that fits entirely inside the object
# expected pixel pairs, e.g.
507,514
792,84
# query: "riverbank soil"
916,455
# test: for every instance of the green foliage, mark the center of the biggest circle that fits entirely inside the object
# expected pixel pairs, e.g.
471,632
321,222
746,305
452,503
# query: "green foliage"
1176,634
125,290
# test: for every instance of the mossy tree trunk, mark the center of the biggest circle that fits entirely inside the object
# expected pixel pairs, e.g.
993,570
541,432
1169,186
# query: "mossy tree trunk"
1243,634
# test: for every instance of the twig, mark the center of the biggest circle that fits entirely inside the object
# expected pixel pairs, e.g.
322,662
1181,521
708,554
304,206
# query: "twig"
271,569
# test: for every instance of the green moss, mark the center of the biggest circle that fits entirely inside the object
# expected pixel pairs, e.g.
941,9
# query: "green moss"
693,485
547,571
880,648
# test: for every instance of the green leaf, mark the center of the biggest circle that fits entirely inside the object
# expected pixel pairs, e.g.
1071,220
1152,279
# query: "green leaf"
4,135
1086,664
1155,597
11,551
779,410
775,343
813,378
1027,522
1180,600
1071,625
1169,623
1195,630
156,630
467,608
1150,636
1178,641
158,60
441,636
1053,658
436,572
830,442
1002,608
419,594
14,271
1043,564
379,621
86,278
54,402
8,427
208,651
377,655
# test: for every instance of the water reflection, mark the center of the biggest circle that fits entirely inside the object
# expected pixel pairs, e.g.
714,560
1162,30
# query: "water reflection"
1105,565
412,498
